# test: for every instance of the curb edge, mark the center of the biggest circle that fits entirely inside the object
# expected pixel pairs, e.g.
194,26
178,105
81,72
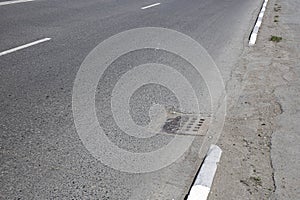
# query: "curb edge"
202,184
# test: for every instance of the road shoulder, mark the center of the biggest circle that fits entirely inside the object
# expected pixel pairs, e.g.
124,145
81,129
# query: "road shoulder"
261,135
285,152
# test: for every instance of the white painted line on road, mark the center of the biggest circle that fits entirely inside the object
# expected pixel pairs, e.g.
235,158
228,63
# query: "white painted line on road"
4,3
150,6
254,33
24,46
201,187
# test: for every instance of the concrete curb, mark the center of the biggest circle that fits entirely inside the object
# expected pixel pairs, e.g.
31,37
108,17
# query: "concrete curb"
202,184
254,33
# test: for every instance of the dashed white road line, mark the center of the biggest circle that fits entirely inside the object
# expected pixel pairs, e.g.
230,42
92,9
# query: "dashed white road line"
150,6
24,46
4,3
254,33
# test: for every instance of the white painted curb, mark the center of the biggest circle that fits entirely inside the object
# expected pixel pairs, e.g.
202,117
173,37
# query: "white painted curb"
204,180
254,33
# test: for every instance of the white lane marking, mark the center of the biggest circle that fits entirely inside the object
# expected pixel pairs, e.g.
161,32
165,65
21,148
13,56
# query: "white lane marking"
24,46
4,3
201,187
152,5
255,30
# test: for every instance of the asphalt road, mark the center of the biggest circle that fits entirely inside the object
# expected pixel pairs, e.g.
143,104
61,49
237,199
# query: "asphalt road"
42,156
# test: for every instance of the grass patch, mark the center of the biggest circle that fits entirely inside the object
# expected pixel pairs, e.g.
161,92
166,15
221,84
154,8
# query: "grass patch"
256,180
275,38
276,9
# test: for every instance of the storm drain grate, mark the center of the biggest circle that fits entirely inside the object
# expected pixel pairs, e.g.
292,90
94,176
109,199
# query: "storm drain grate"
187,124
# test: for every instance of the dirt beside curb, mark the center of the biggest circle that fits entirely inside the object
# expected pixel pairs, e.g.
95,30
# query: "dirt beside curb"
263,103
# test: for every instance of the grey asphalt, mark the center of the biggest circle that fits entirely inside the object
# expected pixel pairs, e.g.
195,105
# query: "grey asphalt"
42,156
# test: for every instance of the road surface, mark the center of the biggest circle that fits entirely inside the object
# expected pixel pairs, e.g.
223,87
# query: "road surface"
42,156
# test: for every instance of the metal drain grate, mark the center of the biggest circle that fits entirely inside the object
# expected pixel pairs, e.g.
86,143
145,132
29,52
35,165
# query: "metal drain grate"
186,124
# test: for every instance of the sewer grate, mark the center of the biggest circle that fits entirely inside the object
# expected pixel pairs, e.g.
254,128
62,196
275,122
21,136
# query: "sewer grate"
186,124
